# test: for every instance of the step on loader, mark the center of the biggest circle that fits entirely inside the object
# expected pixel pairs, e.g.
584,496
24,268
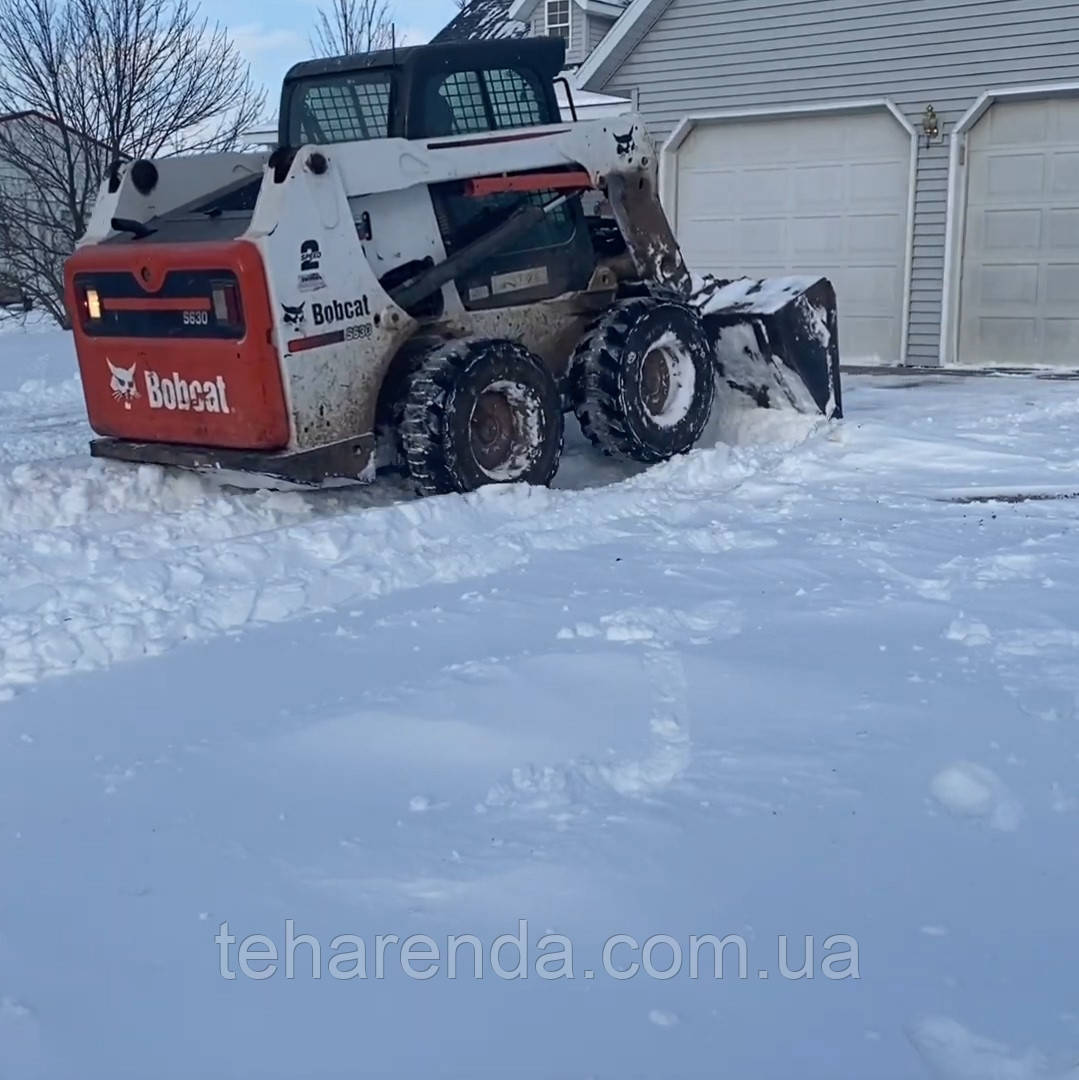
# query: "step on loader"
434,261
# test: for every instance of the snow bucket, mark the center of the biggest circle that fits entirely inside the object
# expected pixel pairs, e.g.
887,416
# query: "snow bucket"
776,339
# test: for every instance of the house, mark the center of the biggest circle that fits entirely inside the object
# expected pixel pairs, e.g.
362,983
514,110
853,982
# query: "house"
922,153
36,225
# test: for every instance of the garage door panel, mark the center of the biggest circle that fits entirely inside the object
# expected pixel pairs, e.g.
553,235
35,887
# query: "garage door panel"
1062,335
816,239
1020,124
1011,175
1065,175
1009,284
869,288
1064,124
1009,230
1006,338
1019,292
810,194
1062,284
875,234
861,335
761,239
819,187
1063,228
878,183
702,191
762,189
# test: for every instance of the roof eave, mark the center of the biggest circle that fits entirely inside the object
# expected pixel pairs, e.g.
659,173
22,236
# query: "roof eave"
635,22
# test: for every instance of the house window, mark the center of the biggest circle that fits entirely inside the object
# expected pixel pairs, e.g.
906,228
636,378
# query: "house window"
558,18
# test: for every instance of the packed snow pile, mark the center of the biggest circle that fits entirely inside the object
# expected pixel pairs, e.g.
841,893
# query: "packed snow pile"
761,762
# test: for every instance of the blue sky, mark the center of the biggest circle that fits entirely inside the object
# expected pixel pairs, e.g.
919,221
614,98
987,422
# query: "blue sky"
274,34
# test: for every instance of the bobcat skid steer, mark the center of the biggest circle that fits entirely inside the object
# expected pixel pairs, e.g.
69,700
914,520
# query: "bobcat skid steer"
414,259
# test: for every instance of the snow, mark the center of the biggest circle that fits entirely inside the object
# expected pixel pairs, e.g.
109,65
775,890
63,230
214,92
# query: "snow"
482,20
794,684
973,790
759,296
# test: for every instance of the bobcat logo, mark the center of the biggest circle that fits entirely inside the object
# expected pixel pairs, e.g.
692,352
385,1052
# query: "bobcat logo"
624,144
122,383
293,316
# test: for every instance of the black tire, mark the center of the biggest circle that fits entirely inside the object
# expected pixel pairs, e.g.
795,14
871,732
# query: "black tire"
643,380
481,412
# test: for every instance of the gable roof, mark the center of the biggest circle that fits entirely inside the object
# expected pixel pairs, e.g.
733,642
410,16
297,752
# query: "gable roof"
33,114
481,20
621,39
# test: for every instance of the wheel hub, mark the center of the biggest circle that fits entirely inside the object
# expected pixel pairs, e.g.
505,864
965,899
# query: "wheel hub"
493,430
656,381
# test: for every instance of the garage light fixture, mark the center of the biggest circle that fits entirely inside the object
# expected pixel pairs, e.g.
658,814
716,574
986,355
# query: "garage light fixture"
930,125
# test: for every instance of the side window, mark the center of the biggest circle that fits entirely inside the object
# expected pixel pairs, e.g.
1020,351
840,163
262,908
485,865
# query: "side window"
514,100
463,94
470,101
346,109
469,218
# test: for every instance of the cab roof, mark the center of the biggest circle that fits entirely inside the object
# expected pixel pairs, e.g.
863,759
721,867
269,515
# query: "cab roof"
544,55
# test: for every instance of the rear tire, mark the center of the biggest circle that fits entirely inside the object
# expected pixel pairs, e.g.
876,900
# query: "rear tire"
481,412
643,380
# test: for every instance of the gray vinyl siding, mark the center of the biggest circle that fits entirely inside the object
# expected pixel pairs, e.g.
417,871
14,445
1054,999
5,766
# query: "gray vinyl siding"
576,50
596,30
702,55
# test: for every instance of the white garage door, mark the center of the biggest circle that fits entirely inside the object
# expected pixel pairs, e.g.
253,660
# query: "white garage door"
1019,300
806,195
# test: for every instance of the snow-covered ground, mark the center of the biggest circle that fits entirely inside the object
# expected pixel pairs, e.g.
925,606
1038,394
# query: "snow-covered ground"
798,686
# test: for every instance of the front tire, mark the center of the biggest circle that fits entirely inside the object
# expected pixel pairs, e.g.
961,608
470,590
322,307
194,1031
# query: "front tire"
481,412
644,379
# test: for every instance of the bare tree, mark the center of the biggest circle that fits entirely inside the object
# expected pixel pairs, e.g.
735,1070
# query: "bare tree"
353,26
91,82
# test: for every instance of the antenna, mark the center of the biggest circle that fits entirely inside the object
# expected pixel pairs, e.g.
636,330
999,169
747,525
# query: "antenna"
393,42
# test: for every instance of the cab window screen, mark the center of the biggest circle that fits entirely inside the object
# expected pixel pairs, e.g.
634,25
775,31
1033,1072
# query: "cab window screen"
346,109
463,94
471,101
514,101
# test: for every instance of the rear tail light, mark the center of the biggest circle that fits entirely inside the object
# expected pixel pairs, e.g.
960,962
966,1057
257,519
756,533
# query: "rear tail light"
189,303
226,302
91,303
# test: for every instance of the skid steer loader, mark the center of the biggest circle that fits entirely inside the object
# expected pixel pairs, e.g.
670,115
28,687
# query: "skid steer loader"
415,260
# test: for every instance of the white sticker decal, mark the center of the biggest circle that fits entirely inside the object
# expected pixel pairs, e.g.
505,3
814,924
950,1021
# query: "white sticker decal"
531,278
173,392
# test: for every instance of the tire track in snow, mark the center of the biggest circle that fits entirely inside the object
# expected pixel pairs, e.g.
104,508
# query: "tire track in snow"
140,560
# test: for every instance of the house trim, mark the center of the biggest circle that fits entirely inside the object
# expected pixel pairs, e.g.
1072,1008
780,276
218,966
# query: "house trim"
639,17
668,166
955,220
523,10
601,7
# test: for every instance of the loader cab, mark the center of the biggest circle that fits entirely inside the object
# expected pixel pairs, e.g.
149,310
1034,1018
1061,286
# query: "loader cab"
426,91
483,90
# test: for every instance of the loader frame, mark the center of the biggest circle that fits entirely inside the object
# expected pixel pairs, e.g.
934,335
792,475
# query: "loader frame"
396,210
